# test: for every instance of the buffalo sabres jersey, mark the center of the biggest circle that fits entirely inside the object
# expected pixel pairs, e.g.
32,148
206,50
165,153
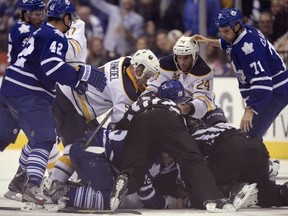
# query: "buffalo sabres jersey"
198,83
120,92
17,38
259,69
40,65
77,44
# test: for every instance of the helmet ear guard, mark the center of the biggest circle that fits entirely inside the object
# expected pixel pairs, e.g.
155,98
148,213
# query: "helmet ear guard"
148,59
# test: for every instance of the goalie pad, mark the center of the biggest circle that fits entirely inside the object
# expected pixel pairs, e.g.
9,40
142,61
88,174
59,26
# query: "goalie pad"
93,169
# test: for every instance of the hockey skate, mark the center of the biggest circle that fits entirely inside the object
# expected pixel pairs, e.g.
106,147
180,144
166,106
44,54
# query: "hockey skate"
35,200
219,206
16,186
119,191
55,190
244,195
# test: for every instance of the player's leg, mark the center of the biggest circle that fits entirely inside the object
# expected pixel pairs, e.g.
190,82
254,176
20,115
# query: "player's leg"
268,114
35,117
9,128
70,127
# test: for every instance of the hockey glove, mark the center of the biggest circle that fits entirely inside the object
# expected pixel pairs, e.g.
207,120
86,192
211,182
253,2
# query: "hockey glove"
90,75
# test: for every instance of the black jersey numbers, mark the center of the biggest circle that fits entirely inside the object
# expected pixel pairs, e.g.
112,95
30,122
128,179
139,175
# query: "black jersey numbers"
203,85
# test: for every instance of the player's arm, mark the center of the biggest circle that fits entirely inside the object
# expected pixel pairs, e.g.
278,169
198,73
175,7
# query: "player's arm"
54,66
202,96
205,40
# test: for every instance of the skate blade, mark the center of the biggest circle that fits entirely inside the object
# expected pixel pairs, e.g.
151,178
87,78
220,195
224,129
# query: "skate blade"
13,196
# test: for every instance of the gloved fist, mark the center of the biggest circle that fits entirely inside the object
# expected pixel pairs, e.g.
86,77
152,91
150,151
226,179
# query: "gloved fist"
92,76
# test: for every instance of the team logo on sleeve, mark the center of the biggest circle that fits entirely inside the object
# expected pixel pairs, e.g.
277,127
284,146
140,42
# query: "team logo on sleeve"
24,28
247,48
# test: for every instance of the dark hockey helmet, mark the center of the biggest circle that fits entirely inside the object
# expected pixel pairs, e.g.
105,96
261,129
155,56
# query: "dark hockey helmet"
31,5
229,17
59,8
172,89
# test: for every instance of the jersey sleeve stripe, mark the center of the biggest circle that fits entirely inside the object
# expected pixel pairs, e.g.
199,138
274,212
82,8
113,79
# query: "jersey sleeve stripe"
54,68
51,59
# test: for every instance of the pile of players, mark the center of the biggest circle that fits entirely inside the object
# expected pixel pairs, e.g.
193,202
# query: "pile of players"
167,146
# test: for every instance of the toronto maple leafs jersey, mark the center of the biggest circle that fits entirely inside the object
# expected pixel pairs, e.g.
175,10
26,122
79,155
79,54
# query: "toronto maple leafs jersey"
120,92
199,82
17,38
40,65
259,69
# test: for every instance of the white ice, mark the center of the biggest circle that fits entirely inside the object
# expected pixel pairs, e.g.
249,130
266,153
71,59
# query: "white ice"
9,164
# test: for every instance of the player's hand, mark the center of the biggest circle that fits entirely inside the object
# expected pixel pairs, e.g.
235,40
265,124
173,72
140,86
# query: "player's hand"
246,121
92,76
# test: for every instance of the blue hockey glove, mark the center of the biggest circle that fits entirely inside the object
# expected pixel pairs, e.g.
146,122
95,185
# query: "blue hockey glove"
92,76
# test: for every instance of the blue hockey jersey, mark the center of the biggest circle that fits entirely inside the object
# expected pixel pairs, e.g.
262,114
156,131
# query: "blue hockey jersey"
40,65
259,69
18,36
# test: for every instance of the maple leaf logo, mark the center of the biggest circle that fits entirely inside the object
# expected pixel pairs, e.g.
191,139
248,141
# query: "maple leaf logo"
247,48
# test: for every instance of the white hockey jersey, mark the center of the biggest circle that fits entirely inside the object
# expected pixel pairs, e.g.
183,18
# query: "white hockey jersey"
120,92
77,44
198,83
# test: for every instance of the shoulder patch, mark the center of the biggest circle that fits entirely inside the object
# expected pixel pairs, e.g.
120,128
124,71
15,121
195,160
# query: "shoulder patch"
200,68
167,63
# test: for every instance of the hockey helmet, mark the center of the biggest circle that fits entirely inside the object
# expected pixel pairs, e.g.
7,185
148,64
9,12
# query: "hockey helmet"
31,5
148,59
184,46
229,17
172,89
59,8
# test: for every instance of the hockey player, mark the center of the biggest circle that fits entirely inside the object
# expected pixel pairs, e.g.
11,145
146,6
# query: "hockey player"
261,73
32,14
29,88
225,147
126,79
157,125
191,70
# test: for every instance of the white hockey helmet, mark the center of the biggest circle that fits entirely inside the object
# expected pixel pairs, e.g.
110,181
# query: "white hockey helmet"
148,59
184,46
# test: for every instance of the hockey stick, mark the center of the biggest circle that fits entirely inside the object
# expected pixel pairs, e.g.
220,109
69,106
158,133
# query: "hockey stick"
98,127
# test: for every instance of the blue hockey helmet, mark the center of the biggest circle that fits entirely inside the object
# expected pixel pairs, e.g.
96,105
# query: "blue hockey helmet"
59,8
229,17
31,5
172,89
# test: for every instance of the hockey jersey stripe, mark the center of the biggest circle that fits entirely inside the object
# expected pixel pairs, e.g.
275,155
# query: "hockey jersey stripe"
28,86
22,72
51,59
54,68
